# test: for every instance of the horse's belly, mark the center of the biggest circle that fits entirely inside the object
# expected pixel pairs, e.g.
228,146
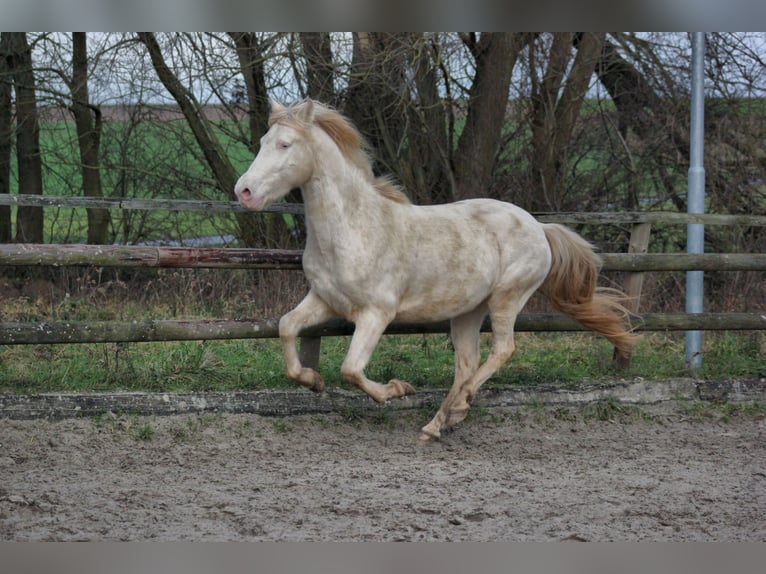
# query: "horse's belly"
440,304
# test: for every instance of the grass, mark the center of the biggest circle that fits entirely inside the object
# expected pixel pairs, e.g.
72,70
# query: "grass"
248,364
425,360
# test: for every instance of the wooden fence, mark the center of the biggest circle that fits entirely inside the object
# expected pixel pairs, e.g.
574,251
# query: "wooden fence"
636,262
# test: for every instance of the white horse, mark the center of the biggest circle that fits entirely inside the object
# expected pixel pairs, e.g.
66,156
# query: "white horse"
372,257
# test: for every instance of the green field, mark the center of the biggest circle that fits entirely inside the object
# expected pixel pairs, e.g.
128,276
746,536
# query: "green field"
149,159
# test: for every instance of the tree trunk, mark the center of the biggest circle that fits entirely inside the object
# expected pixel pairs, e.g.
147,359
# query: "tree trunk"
474,161
29,220
319,67
269,230
429,154
250,58
375,99
393,99
6,125
554,117
88,124
632,95
216,158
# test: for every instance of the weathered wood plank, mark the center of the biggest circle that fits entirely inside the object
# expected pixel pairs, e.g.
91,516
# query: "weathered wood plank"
134,331
654,217
141,204
17,333
21,254
684,262
610,218
135,256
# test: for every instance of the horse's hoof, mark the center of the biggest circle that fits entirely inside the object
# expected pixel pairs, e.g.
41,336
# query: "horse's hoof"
426,437
403,387
315,382
456,416
318,385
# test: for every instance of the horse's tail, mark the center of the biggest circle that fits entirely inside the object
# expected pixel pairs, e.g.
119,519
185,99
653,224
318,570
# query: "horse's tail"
571,288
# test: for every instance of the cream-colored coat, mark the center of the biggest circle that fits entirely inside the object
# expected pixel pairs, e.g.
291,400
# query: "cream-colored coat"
373,257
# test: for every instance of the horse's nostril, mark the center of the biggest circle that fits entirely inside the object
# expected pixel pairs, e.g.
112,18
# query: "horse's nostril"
245,193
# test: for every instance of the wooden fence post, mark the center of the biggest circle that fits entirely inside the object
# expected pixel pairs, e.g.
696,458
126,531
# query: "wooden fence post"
309,352
639,243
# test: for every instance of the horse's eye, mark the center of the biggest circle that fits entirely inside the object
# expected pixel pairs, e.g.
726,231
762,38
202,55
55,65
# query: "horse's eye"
283,145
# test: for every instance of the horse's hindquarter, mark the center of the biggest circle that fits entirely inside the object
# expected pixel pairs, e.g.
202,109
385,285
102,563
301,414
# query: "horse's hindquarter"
460,253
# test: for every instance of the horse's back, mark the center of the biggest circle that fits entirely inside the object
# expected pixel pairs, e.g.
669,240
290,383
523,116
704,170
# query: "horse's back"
473,224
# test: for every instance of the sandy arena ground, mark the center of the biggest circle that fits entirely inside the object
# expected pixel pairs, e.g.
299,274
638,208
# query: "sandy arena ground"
524,473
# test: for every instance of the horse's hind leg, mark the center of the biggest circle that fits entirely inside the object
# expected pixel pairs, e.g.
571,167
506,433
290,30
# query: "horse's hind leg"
370,325
455,407
465,331
502,349
311,311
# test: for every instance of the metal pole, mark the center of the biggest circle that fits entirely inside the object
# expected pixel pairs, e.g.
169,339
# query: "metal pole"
695,238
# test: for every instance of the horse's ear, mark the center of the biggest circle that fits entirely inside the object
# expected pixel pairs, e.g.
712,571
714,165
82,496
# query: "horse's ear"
276,107
306,111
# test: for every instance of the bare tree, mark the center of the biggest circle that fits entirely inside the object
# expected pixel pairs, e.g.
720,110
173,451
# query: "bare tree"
250,55
6,130
88,122
394,98
495,55
374,98
632,94
427,165
251,63
556,102
320,70
219,163
29,220
652,131
254,230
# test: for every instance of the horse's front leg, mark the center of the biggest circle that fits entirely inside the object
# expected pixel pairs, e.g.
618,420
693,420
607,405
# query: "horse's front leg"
370,325
311,311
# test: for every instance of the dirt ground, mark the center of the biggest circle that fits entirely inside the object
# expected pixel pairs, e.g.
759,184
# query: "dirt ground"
523,473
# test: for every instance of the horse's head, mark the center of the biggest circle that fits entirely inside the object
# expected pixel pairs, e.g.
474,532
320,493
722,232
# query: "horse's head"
285,160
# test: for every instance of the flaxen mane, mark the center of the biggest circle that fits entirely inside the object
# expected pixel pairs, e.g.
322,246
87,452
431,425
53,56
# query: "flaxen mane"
388,189
348,139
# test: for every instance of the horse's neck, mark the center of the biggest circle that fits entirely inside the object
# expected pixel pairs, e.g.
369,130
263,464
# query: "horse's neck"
338,200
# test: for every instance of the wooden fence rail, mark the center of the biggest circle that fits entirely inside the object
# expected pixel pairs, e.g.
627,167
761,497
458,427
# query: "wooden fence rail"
18,333
232,258
617,218
22,254
634,263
